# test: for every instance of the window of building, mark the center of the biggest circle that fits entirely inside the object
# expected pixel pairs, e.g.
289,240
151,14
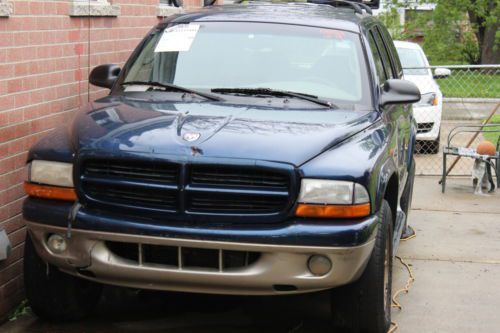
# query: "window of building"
6,8
93,8
169,7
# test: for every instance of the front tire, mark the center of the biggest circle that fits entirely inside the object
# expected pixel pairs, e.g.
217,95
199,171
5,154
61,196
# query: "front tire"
365,305
54,295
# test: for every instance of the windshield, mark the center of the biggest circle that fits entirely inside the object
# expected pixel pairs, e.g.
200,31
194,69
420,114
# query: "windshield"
412,59
321,62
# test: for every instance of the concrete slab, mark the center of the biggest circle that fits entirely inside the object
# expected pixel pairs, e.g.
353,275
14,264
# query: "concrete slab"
450,297
459,196
454,236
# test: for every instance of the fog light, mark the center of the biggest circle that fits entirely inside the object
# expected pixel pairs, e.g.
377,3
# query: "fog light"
57,243
319,265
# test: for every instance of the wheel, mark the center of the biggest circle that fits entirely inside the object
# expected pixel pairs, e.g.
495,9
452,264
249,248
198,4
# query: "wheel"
365,305
54,295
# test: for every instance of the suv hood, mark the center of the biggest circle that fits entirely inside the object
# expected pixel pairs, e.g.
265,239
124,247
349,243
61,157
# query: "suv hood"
118,126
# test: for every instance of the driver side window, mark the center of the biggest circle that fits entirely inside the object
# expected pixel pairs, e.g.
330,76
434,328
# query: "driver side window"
379,66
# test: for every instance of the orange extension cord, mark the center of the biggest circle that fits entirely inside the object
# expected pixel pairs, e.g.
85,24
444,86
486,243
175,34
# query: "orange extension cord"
405,289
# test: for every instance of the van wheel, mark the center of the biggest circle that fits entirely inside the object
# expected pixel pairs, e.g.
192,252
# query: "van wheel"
53,295
365,305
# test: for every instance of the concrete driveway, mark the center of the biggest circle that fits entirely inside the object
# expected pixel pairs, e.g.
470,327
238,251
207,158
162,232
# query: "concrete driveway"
455,259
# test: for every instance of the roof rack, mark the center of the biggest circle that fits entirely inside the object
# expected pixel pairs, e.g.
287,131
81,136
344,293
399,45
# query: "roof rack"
359,6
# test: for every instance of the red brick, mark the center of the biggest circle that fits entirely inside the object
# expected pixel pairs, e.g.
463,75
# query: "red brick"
41,49
11,272
21,69
13,224
18,236
12,287
15,255
7,102
14,86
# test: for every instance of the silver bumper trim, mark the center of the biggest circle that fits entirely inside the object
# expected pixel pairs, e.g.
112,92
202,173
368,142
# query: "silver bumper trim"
88,256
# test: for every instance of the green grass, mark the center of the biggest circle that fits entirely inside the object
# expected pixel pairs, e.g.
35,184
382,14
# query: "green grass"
471,84
493,137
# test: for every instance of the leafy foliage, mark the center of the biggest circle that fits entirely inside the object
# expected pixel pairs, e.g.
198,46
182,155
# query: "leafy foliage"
455,32
20,311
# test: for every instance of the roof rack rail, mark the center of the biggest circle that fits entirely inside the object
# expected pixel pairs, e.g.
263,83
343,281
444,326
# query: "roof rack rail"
358,6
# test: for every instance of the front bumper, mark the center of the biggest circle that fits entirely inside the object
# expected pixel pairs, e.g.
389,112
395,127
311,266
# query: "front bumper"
279,268
428,115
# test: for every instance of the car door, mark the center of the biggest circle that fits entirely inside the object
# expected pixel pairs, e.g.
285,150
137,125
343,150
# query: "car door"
410,125
399,116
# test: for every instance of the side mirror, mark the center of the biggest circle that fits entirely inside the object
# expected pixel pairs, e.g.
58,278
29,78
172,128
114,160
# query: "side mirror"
441,73
399,92
104,75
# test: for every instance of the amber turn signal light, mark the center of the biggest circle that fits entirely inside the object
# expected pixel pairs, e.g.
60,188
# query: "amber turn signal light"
50,192
333,211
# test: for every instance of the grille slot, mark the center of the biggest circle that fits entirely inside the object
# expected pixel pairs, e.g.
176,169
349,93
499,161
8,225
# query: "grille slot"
133,170
132,196
231,203
176,257
237,177
424,127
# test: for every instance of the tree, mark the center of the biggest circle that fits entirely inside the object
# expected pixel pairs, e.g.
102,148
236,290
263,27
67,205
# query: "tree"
484,16
455,31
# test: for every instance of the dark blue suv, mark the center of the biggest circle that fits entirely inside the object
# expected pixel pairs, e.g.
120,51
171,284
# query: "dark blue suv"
251,149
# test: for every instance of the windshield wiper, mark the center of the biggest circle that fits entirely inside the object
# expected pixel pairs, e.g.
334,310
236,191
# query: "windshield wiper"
174,87
273,92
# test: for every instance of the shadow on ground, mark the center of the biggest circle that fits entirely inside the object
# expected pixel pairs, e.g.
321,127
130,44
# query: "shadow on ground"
124,310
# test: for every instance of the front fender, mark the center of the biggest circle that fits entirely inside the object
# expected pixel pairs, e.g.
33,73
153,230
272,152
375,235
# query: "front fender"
365,158
55,146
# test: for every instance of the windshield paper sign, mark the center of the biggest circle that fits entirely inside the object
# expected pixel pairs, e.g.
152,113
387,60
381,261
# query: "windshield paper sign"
177,38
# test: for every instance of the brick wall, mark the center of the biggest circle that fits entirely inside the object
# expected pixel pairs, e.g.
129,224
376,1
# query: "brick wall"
44,54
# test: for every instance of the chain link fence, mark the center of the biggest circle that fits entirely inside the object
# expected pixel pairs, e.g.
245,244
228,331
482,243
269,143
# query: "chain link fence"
453,96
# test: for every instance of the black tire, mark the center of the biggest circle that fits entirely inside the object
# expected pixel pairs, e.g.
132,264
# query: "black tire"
54,295
365,305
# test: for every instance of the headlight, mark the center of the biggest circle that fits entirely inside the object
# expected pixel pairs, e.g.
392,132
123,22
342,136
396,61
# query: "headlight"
50,180
332,199
51,173
428,99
